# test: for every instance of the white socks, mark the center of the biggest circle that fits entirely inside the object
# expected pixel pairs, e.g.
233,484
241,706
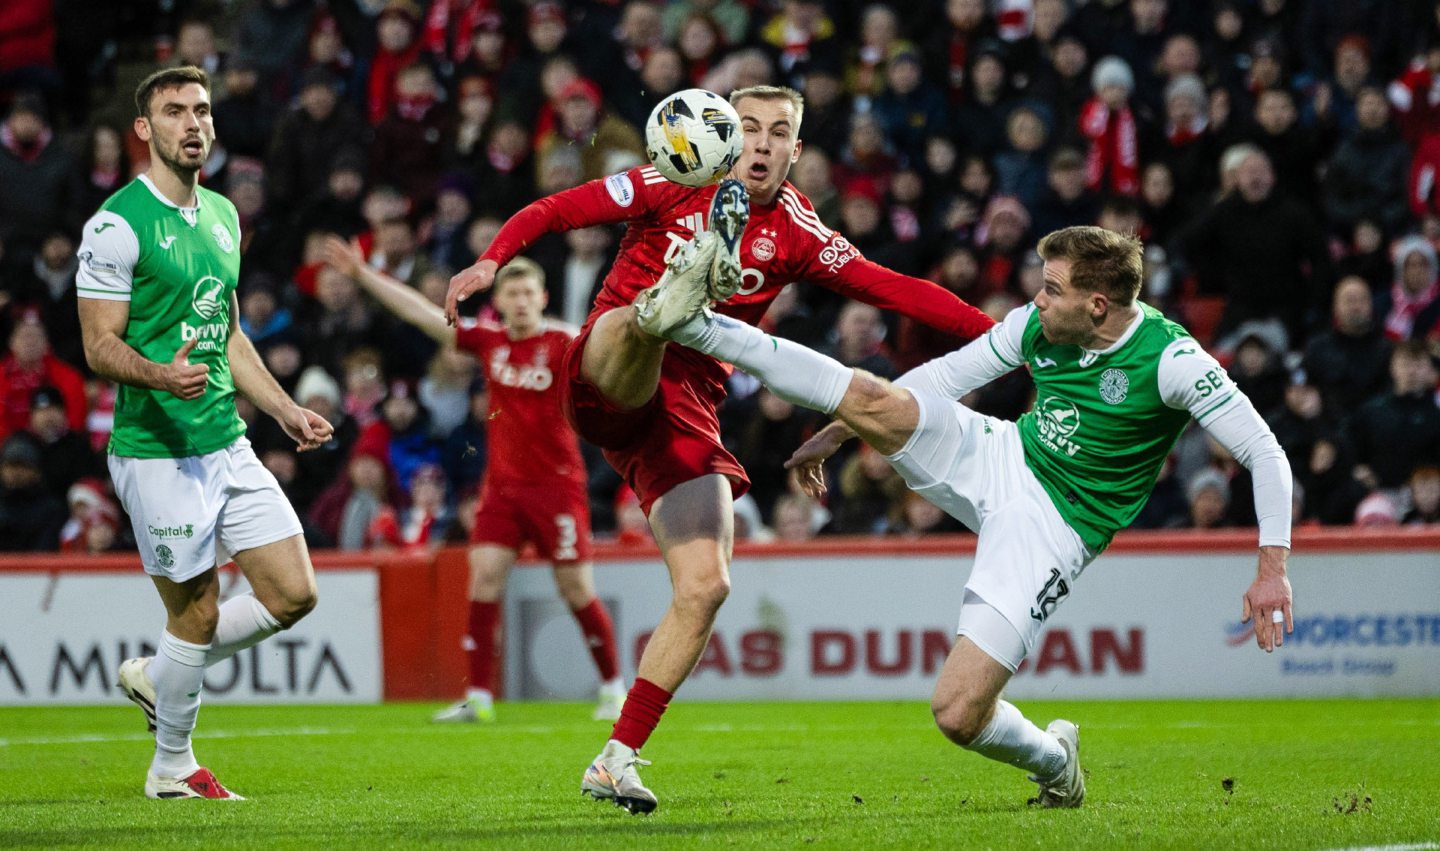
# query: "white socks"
794,373
178,672
244,622
1012,739
480,697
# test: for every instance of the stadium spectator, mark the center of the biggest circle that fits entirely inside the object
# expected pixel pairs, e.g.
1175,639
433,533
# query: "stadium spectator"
1350,361
763,441
316,469
408,149
272,33
907,106
547,37
951,47
424,521
731,16
397,49
30,366
93,526
1366,177
1061,83
581,122
1410,305
466,449
1066,200
309,138
1394,433
1423,497
1020,167
1261,250
30,515
798,518
1258,366
978,121
869,496
35,176
103,166
1378,510
474,114
1292,148
1108,122
65,454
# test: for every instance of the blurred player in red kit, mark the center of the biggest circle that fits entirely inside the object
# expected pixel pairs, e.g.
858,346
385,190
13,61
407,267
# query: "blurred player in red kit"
534,485
652,409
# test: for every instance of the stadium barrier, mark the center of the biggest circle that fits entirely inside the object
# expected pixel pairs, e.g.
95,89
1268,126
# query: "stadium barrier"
853,618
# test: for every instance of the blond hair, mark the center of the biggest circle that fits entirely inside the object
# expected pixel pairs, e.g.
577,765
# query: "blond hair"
797,100
520,267
1101,260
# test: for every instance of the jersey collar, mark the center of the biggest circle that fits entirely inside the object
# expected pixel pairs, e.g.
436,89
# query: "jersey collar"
1088,356
190,214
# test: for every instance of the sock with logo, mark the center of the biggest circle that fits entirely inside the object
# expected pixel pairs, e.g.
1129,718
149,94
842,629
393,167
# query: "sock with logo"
644,705
796,374
482,644
1011,738
178,672
244,622
599,634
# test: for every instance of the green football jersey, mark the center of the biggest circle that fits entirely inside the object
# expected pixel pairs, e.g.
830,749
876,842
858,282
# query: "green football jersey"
1100,430
178,268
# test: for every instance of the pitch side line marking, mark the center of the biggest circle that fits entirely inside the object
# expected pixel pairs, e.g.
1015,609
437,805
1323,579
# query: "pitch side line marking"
1419,846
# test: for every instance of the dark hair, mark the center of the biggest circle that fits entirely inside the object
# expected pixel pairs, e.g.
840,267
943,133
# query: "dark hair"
167,78
1101,260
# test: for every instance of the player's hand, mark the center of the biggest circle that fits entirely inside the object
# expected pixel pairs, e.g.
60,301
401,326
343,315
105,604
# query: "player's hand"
183,379
308,429
808,461
477,278
1268,594
344,257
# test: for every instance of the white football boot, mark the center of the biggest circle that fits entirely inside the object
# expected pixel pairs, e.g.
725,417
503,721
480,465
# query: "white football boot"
612,777
683,291
1068,790
134,682
200,784
466,712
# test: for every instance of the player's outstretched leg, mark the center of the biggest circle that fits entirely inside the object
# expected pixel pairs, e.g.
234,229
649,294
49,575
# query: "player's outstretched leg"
729,214
1067,790
612,777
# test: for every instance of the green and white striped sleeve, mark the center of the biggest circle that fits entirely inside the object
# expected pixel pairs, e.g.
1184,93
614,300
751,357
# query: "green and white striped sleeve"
979,362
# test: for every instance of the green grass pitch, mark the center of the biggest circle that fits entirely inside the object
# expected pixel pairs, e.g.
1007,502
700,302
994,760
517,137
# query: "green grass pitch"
1200,774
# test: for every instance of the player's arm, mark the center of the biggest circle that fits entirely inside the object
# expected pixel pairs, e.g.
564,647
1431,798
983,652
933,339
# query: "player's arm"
103,279
837,265
995,353
254,382
1191,379
401,300
617,198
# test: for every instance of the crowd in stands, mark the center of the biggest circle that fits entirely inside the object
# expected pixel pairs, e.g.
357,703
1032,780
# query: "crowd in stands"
1278,157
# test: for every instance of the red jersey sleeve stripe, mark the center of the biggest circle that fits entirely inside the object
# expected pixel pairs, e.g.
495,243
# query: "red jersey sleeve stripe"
818,232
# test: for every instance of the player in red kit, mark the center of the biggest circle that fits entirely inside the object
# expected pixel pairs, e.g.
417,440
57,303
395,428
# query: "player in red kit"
534,485
652,409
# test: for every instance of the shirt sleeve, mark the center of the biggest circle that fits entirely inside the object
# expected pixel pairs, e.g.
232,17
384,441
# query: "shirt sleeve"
838,265
475,336
1191,379
995,353
108,254
620,197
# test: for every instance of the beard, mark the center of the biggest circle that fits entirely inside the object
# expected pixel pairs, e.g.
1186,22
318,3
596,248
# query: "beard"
181,163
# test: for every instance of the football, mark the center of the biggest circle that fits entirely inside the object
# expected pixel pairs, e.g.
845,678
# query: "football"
693,137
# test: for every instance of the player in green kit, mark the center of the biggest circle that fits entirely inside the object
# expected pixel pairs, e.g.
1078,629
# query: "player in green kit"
156,280
1115,382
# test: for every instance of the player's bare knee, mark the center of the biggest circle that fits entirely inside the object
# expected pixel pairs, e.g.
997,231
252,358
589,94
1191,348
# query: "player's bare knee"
959,719
704,594
288,605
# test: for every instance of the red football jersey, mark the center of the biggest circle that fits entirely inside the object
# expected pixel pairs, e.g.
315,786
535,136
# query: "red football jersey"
784,242
530,443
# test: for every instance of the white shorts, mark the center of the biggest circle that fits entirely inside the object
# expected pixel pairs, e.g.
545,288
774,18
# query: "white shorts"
1028,557
192,514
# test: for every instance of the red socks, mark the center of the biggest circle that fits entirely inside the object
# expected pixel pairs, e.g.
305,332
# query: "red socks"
643,708
484,650
600,638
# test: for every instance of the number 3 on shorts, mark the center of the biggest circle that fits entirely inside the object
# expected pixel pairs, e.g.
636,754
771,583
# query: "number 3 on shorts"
566,538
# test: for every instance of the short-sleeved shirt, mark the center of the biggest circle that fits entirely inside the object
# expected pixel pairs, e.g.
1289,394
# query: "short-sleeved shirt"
177,267
530,442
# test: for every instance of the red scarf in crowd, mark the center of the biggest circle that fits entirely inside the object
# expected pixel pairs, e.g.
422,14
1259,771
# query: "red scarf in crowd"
1114,148
437,28
1400,323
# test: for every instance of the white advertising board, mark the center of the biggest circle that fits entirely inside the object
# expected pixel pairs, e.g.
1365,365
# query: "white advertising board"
1136,625
63,635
